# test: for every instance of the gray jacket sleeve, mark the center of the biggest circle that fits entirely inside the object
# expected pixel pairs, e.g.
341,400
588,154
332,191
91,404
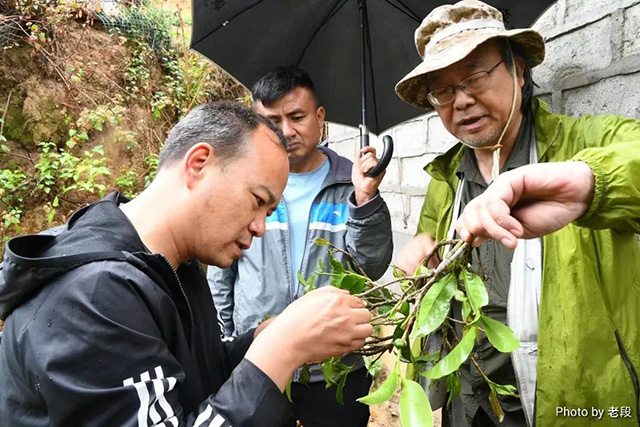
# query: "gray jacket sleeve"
369,238
221,284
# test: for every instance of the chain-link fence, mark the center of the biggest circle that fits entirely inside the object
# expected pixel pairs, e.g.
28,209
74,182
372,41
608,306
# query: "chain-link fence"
10,31
132,18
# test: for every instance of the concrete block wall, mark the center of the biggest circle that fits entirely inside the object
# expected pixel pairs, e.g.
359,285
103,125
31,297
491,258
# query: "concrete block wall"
592,66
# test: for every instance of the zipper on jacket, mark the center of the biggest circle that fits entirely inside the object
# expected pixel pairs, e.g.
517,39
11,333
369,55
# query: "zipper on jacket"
288,258
184,294
632,373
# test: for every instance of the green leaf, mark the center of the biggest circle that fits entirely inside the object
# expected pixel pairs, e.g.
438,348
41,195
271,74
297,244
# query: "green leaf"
287,390
354,283
503,389
385,309
476,291
415,409
51,215
398,332
336,265
495,405
466,311
415,366
384,392
500,336
452,361
435,306
305,375
459,296
308,286
312,281
301,279
399,343
404,308
341,383
5,148
431,357
322,242
421,270
70,144
405,353
454,387
386,293
397,273
56,202
328,372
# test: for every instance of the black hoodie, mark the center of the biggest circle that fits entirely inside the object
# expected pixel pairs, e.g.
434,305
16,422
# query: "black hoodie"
99,331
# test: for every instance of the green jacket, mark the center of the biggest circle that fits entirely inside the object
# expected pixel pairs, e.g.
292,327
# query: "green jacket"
589,320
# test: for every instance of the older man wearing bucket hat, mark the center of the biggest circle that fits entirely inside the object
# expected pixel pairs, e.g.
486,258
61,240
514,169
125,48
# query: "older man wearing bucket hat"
553,203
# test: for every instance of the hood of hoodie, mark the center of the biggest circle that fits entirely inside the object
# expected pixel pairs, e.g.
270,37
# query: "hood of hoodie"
31,261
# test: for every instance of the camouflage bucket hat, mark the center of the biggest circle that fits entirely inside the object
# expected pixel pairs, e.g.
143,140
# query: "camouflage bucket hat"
450,33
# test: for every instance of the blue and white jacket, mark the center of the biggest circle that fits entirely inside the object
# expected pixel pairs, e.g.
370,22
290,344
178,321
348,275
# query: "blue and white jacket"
261,282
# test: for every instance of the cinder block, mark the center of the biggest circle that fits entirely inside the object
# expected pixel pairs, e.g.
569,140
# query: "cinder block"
391,180
414,213
413,174
338,132
440,140
399,206
616,95
587,48
345,147
547,21
410,138
576,8
631,31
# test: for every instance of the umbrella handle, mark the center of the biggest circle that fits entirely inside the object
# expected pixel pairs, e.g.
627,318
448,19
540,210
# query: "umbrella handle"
387,153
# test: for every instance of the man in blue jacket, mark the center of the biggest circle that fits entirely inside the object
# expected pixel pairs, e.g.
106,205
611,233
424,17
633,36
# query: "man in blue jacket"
326,197
109,319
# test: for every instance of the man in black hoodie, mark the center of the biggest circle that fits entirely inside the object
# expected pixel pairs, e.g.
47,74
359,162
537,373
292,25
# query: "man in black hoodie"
109,319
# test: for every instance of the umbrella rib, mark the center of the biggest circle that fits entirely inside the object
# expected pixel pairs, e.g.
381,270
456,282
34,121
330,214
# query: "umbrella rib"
373,82
408,12
336,8
193,43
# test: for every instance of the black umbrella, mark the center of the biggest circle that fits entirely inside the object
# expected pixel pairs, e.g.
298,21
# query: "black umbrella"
354,50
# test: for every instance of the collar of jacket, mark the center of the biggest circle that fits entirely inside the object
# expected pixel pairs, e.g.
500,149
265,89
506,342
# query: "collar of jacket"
339,168
547,125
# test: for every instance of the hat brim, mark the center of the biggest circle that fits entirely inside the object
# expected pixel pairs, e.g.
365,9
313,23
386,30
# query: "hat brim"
413,87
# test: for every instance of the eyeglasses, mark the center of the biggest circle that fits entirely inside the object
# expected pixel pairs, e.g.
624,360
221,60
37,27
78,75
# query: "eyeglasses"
472,84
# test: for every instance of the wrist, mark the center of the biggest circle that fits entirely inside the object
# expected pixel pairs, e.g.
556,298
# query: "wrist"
275,355
362,197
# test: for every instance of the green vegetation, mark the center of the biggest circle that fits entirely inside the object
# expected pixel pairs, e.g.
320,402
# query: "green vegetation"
412,309
86,101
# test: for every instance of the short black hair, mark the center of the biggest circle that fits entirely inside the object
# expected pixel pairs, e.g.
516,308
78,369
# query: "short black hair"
518,53
224,125
277,83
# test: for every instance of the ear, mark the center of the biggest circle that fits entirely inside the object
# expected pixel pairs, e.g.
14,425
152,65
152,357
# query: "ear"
198,156
320,112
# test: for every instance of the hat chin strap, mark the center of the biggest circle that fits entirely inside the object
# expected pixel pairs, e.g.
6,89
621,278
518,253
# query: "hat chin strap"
495,169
